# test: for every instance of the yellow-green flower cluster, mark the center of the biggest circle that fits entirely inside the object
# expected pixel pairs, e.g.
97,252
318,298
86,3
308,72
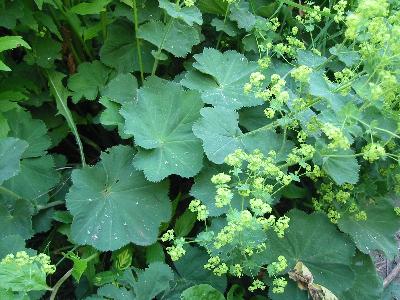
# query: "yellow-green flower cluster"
188,3
373,152
301,73
281,225
279,285
277,266
177,251
22,259
336,137
257,285
168,235
259,207
339,9
201,210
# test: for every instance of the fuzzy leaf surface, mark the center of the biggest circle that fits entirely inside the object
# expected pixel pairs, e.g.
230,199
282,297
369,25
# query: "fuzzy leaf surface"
219,130
314,241
176,37
375,233
11,150
113,205
229,72
88,81
189,15
161,123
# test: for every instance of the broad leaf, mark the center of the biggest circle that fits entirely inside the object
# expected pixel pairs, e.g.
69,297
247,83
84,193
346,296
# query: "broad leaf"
32,131
340,165
161,122
319,87
11,150
110,291
153,280
228,27
88,81
176,37
204,190
90,8
15,218
375,233
221,135
229,72
202,292
314,241
190,272
120,51
368,284
240,12
121,89
187,14
10,42
113,205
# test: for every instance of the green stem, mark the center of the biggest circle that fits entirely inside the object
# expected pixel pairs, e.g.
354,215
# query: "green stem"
103,20
59,283
51,204
139,52
169,25
220,34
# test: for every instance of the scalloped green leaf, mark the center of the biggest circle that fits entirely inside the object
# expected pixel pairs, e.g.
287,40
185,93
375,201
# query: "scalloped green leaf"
316,242
229,72
190,271
228,27
30,130
341,165
11,150
202,292
161,123
240,13
121,89
113,205
176,37
120,52
16,218
368,284
88,81
377,232
153,281
219,130
190,15
204,190
88,8
110,291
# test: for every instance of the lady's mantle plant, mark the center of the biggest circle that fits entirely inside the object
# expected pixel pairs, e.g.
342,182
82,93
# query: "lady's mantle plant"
233,149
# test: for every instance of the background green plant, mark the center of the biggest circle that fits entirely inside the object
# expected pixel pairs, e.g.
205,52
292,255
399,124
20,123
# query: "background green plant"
115,116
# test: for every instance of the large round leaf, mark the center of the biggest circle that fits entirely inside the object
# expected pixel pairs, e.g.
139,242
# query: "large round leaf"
113,204
314,241
229,72
161,122
375,233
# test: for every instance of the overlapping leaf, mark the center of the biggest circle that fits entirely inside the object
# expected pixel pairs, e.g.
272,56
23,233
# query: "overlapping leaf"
189,15
175,37
120,52
161,123
375,233
314,241
11,150
88,81
229,72
113,205
218,129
